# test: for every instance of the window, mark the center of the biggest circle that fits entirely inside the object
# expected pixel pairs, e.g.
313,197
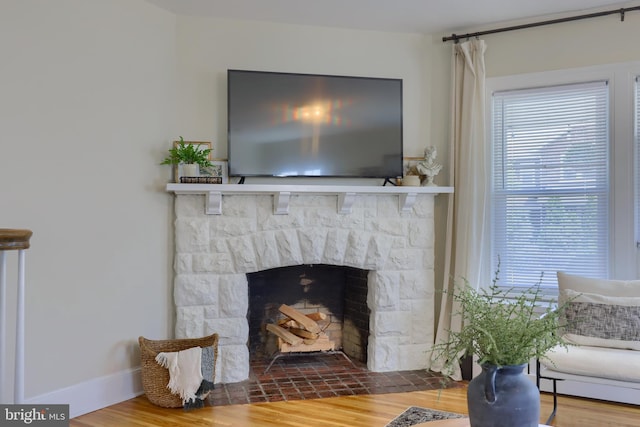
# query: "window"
566,174
550,182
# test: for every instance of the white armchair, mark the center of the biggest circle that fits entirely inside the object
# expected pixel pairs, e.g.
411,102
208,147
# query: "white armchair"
603,330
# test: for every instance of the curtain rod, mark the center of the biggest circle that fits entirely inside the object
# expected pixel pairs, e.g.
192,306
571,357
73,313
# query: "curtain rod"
456,37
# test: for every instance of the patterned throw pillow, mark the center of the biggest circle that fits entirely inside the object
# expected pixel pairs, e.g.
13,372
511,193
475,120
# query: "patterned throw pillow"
602,321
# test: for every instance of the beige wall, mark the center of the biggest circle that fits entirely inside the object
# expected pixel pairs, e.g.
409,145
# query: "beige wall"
208,47
93,93
585,43
86,113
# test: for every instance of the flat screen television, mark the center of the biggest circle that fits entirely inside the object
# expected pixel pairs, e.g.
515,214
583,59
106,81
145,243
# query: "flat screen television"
292,125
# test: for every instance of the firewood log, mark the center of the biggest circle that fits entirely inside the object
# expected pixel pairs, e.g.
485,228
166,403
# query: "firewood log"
303,333
317,316
308,324
287,336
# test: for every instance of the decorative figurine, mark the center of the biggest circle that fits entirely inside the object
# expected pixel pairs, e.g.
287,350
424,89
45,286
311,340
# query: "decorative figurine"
428,166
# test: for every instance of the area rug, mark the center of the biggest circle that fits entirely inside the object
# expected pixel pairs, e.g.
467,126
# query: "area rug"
416,415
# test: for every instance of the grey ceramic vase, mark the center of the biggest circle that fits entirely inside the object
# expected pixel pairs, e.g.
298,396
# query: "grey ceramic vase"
503,397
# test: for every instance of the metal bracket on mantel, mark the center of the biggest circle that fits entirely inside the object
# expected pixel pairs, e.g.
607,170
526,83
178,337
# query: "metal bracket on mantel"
213,203
406,201
345,202
281,202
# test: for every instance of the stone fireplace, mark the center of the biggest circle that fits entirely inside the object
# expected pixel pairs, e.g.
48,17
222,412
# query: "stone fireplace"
215,252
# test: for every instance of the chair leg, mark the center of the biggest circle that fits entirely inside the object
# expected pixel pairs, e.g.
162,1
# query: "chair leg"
555,403
555,392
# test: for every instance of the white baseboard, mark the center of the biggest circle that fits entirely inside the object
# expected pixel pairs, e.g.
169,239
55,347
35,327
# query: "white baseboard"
94,394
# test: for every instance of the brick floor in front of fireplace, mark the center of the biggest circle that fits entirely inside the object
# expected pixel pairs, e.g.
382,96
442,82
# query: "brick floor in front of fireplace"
299,377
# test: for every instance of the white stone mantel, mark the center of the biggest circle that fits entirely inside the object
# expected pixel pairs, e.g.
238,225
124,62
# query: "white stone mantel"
281,194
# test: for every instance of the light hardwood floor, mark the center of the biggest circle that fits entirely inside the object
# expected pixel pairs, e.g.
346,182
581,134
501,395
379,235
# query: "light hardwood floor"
351,411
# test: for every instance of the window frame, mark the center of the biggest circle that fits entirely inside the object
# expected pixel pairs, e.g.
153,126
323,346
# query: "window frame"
623,260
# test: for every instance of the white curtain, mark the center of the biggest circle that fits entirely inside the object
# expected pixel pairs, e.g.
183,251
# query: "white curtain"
468,167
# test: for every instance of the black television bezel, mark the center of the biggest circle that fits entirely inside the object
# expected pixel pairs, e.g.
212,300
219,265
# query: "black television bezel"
401,161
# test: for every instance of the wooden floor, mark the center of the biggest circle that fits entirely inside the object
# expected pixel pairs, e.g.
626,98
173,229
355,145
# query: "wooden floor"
350,411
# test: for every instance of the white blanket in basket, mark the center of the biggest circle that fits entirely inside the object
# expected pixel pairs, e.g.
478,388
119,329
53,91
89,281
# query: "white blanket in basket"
185,371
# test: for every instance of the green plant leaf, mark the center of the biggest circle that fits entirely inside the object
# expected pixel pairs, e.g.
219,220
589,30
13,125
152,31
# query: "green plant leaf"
502,327
186,153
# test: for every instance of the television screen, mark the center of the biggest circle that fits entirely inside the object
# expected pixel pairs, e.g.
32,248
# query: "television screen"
284,124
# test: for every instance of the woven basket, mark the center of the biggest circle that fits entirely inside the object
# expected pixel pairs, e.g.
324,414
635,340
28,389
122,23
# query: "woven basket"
155,378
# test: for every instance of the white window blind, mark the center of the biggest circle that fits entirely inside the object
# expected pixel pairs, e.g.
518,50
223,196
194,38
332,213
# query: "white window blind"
550,194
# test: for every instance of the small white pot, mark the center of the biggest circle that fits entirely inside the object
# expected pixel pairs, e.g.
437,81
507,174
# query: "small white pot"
191,169
411,180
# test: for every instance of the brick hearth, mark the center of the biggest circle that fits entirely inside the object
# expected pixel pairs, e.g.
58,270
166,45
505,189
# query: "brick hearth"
313,377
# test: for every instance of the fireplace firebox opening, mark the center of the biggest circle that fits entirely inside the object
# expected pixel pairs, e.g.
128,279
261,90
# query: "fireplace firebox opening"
339,292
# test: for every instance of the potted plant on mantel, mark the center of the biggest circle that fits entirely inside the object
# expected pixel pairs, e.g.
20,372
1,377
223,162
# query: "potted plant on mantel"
505,331
190,156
